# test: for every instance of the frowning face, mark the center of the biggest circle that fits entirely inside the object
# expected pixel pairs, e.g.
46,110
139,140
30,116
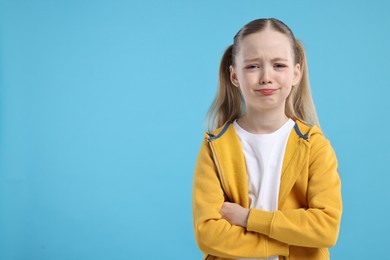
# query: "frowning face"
265,70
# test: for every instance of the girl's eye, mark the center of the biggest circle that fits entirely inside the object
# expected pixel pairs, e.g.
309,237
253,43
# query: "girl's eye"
252,67
280,65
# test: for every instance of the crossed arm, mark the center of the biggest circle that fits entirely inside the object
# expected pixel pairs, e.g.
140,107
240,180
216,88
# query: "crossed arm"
228,230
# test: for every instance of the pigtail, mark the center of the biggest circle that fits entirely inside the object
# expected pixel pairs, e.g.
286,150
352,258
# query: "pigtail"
299,104
228,103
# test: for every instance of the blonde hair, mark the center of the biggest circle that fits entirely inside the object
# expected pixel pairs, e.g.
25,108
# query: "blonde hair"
229,104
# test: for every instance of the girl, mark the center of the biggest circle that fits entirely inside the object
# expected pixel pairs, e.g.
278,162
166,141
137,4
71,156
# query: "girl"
266,183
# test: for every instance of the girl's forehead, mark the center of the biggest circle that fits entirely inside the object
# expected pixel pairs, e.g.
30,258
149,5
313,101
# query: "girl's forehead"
265,42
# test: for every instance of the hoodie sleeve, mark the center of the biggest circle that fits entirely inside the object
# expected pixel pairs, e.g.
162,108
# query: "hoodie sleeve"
214,235
316,225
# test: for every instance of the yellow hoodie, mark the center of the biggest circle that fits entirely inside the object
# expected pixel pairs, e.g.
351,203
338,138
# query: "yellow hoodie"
307,221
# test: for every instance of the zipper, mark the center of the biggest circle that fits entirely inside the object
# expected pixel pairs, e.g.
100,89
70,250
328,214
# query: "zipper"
218,172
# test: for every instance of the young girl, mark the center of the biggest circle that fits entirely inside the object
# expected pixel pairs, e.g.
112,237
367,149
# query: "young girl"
266,184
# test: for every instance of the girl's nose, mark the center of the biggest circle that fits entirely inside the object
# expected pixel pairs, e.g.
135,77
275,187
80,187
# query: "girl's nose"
265,77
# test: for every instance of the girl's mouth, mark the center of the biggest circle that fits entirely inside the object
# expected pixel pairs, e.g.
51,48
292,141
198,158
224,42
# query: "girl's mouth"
266,91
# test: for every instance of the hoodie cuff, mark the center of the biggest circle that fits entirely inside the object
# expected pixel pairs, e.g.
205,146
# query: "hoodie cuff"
260,221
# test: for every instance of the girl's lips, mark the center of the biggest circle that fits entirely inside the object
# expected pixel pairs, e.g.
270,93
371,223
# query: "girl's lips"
266,91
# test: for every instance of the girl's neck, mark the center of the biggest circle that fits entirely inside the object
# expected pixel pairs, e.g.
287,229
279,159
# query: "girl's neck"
262,123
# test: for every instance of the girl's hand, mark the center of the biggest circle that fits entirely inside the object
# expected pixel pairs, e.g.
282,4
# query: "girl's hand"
234,214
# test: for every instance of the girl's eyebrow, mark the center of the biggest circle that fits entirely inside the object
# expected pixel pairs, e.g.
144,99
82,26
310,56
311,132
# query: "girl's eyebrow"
273,60
251,60
279,59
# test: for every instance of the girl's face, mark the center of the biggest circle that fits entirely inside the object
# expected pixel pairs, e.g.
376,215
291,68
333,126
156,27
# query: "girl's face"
265,70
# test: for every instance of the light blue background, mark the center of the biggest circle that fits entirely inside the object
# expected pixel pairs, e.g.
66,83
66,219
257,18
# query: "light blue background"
102,107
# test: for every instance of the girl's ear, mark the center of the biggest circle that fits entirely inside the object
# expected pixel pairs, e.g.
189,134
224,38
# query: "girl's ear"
233,76
297,74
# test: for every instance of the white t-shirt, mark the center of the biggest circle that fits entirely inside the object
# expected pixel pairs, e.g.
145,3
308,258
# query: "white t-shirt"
264,155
